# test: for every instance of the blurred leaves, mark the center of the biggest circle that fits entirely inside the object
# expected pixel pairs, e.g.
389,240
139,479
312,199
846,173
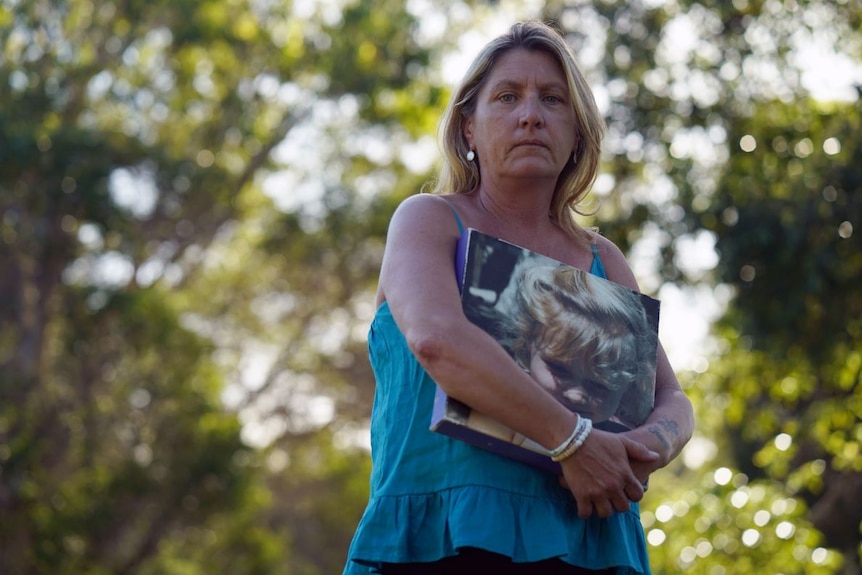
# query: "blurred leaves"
194,197
712,128
147,274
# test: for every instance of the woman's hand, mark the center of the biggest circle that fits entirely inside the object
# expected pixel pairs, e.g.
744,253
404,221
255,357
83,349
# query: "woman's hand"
600,474
643,469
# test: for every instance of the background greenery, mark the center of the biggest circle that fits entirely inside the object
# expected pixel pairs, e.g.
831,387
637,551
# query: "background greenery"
193,201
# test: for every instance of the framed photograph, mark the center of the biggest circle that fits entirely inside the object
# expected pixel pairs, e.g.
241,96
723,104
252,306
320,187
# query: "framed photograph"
588,341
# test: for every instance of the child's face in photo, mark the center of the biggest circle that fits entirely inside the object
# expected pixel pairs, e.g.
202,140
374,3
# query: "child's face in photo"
592,399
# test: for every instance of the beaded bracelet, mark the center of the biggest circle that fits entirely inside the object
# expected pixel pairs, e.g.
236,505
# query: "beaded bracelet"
577,430
568,441
574,441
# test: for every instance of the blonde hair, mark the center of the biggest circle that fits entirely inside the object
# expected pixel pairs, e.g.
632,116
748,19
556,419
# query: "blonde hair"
457,175
580,321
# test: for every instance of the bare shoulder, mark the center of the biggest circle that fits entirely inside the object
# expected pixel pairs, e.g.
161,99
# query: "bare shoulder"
417,267
425,210
615,262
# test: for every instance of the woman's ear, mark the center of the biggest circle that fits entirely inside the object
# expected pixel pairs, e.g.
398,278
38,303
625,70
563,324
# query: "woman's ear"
467,131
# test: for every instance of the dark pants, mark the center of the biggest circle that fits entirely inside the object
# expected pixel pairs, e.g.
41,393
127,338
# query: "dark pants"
480,562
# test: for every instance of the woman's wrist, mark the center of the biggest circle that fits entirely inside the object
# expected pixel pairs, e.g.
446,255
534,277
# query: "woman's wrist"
574,441
653,437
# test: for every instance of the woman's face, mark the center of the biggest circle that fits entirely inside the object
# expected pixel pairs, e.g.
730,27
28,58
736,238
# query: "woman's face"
592,399
523,124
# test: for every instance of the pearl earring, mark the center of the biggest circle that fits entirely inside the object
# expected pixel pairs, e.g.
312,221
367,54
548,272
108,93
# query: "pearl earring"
471,155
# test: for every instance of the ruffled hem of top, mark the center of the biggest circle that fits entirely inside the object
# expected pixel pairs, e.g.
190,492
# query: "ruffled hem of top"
429,527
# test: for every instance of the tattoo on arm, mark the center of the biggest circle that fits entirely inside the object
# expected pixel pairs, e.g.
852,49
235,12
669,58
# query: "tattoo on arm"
654,429
670,426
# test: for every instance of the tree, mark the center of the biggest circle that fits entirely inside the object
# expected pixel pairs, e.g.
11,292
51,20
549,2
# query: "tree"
712,129
134,138
795,389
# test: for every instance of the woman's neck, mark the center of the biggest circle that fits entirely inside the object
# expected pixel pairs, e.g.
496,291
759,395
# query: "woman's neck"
522,206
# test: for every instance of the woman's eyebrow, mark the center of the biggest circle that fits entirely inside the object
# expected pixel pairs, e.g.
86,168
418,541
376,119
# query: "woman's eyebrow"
515,85
505,85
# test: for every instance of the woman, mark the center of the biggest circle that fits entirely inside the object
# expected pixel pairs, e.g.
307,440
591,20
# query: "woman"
521,143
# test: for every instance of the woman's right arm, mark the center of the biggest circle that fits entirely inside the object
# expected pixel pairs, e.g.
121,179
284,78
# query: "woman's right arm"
418,280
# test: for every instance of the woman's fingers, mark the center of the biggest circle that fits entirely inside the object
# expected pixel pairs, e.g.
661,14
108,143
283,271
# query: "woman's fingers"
638,451
603,507
600,476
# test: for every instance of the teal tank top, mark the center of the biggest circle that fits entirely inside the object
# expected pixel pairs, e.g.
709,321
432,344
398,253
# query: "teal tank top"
432,495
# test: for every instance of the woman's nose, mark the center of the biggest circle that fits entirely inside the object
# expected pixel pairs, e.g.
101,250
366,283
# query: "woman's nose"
531,113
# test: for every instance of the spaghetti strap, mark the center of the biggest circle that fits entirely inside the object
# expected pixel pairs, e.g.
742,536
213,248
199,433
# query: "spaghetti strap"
598,268
457,218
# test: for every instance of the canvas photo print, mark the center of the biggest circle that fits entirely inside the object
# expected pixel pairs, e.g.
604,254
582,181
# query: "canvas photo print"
589,342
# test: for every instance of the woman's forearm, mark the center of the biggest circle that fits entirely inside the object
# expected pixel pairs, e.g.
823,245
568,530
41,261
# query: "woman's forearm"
471,367
669,426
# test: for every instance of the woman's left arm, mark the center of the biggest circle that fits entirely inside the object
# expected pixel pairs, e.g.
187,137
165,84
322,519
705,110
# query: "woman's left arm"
671,423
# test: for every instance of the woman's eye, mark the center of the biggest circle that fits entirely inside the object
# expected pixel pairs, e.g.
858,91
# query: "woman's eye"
553,99
507,98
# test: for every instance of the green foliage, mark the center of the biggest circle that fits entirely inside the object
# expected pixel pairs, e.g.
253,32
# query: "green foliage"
323,488
705,136
103,466
183,378
784,215
133,141
725,523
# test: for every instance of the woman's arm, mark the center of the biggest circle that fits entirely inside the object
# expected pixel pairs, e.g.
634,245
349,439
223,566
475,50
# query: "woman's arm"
418,280
671,423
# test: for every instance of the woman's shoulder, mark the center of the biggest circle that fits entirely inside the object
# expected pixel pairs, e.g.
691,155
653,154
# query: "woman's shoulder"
606,247
615,263
431,199
424,209
426,205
